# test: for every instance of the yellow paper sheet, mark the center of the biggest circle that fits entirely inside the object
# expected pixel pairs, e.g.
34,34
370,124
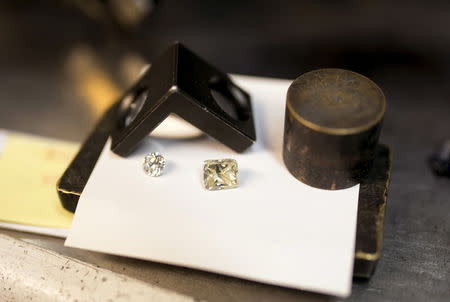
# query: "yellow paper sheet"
29,169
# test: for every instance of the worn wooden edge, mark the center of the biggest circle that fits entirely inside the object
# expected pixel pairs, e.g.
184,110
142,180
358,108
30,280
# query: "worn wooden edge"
74,179
371,214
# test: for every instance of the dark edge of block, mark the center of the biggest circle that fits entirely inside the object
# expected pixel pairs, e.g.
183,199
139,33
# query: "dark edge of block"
75,177
371,211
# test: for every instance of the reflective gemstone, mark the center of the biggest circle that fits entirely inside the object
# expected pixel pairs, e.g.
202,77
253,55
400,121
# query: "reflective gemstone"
154,164
220,174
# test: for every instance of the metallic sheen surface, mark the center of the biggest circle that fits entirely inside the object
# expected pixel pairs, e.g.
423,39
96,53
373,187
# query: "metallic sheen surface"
336,101
332,124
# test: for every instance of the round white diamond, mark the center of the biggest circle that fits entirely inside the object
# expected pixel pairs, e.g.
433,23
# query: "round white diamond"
154,164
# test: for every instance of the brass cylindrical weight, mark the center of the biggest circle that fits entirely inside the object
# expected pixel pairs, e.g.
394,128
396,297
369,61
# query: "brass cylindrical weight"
332,124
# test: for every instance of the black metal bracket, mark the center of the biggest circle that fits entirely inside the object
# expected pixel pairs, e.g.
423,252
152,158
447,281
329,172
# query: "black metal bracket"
181,83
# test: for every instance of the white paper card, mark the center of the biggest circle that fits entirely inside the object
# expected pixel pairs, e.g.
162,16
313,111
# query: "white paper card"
272,229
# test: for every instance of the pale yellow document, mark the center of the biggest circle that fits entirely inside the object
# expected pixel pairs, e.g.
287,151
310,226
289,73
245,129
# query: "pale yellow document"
29,169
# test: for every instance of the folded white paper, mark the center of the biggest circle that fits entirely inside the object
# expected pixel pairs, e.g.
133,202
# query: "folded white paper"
272,229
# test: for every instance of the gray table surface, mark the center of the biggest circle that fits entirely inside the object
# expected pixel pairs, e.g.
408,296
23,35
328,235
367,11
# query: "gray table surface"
36,97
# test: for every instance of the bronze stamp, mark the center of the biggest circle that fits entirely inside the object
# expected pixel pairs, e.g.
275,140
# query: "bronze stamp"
332,124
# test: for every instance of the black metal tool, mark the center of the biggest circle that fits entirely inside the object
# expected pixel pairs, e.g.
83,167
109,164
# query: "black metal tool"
181,83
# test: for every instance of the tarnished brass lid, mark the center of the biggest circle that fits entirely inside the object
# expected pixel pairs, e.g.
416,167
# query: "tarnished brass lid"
336,101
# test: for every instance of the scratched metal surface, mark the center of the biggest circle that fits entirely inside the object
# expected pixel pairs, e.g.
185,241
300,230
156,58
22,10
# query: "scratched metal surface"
411,66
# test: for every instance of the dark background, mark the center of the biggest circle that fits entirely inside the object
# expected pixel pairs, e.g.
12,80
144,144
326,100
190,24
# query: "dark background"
404,46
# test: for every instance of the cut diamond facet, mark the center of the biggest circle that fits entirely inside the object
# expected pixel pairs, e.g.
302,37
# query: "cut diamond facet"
220,174
154,164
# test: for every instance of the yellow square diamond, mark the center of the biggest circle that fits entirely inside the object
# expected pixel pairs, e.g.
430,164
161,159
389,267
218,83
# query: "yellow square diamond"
220,174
